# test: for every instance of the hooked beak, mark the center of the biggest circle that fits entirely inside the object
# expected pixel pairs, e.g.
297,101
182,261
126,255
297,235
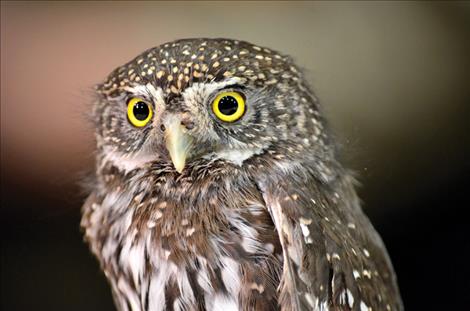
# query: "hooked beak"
178,143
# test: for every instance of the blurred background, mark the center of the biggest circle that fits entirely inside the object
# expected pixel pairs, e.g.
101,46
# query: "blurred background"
394,79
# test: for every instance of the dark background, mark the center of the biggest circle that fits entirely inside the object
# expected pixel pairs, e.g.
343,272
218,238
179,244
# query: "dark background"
394,79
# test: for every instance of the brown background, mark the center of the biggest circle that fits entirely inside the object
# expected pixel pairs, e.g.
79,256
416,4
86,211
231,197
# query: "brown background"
393,78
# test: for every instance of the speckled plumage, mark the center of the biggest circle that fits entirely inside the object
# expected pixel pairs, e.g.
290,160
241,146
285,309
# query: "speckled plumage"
263,217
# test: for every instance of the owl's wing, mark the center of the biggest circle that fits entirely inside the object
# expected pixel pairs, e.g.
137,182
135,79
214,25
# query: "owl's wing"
333,257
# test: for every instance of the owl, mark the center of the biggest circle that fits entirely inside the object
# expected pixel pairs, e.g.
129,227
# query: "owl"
218,188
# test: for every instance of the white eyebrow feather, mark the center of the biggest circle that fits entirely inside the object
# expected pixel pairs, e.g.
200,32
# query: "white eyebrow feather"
208,88
145,90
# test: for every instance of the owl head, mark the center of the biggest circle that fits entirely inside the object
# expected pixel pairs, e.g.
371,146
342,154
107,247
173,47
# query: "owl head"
199,100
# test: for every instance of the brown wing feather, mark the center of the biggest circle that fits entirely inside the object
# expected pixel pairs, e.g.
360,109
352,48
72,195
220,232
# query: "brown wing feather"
333,257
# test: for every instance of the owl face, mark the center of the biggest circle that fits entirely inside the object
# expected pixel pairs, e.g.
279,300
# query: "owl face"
204,99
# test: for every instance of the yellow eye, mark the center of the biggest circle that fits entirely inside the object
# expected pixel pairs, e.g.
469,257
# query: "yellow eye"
229,106
139,112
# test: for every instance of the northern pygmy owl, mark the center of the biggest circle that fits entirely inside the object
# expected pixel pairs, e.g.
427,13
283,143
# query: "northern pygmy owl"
218,188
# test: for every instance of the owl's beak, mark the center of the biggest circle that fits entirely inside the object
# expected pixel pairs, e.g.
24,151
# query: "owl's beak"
178,143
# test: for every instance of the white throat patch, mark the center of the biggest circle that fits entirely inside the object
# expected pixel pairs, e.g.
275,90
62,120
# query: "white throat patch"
236,156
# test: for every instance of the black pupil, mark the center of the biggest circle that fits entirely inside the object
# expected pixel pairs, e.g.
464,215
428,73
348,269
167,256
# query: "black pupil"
141,111
228,105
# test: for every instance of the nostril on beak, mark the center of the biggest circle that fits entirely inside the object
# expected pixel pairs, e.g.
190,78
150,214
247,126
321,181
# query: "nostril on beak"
162,128
188,124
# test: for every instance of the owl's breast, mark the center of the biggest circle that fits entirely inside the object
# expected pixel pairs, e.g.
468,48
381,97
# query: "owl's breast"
195,245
